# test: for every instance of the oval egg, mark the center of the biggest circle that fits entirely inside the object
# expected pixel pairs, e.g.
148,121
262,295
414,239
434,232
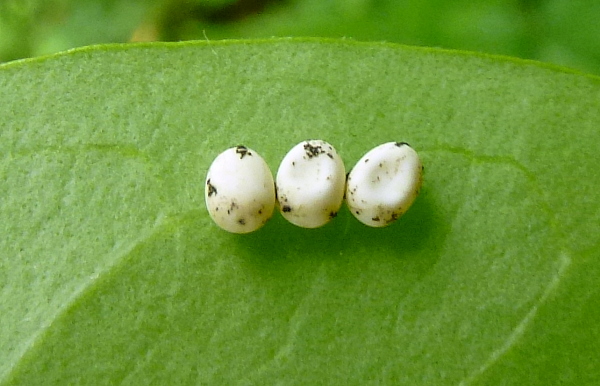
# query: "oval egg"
239,190
384,183
310,184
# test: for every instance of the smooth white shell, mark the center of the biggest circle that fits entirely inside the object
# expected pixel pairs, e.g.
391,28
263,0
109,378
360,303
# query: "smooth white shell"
239,190
384,184
310,184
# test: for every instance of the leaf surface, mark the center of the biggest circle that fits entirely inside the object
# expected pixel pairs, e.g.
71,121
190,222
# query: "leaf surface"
111,270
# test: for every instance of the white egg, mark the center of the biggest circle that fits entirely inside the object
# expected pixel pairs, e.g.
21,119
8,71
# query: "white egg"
384,184
310,184
239,191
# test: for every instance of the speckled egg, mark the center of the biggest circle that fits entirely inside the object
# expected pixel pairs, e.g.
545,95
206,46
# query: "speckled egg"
239,191
310,184
384,184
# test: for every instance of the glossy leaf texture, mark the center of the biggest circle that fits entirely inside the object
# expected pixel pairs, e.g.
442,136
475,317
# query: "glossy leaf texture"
111,269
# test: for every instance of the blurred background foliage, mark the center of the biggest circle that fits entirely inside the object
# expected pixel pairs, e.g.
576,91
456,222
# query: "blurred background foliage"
564,32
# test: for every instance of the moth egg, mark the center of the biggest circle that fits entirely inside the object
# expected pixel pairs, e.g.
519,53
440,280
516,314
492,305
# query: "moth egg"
310,184
239,190
384,184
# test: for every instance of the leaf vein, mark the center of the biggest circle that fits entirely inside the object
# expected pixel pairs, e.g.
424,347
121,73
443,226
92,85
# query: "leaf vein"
519,331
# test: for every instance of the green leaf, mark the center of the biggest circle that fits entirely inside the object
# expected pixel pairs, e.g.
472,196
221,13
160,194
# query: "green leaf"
112,272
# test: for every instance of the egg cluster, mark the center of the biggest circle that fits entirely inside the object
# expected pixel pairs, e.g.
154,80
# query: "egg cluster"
310,186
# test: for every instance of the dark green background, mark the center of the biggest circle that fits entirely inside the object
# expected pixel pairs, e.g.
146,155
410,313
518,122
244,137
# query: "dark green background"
564,32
